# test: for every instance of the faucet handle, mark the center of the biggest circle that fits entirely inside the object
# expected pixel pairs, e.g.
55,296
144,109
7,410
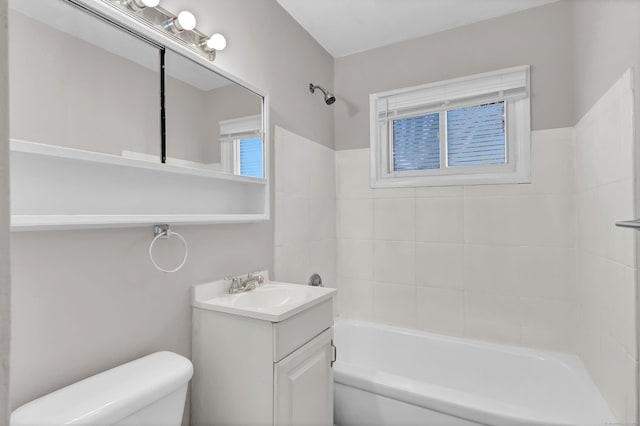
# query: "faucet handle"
235,284
257,276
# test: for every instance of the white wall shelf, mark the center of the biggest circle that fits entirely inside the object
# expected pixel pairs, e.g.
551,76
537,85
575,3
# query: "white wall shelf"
63,188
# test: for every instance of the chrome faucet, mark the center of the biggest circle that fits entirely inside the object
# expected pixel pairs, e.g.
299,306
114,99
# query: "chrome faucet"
239,285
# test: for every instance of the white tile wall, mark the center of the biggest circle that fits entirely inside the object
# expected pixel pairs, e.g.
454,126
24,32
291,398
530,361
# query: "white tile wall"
441,310
357,299
394,219
440,219
605,266
355,218
439,265
393,262
355,259
395,304
493,316
305,211
491,261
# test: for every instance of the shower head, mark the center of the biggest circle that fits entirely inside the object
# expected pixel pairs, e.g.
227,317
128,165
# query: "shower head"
328,96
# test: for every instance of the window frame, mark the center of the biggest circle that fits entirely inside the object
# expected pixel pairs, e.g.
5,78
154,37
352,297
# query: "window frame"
447,95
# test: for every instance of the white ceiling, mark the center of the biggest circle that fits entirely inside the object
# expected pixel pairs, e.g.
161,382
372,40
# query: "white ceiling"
344,27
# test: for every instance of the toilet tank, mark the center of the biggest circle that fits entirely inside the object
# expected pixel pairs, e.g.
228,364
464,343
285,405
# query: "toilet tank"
148,391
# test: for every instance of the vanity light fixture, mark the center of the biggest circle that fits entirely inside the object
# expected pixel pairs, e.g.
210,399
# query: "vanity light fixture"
181,27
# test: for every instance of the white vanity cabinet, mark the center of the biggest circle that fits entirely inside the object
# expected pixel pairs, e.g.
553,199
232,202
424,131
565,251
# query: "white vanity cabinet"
253,371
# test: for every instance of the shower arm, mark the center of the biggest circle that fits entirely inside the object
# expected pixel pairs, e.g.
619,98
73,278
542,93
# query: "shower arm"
313,87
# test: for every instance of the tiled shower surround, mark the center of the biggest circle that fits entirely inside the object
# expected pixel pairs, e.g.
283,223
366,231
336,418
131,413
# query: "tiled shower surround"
305,206
606,268
537,264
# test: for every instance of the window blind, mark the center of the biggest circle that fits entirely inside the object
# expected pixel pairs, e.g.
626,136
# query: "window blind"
416,144
476,135
251,157
230,137
488,87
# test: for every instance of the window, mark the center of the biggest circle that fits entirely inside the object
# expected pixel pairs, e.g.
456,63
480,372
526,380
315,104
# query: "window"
242,147
250,157
471,130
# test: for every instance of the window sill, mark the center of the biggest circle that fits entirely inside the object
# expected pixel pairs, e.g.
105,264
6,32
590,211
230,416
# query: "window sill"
452,180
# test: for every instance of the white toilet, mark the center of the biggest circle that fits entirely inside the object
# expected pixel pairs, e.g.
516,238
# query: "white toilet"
148,391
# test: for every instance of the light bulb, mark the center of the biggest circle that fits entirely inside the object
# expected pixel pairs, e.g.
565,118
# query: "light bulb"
139,5
217,42
186,20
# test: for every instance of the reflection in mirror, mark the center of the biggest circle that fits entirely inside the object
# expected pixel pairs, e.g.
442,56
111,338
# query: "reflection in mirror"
79,82
212,122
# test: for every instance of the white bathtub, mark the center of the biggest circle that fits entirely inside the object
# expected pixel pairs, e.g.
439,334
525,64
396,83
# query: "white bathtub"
391,376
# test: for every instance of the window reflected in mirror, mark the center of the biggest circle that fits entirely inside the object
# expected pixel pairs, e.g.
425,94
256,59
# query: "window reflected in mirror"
212,122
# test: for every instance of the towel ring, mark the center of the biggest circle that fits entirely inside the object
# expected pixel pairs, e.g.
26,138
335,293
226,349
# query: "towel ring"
164,231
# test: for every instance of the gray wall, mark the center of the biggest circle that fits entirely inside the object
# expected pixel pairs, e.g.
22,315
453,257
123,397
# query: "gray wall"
4,221
606,42
85,301
539,37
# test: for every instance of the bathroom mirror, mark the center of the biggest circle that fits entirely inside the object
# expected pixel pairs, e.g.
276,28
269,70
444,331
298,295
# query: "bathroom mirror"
78,81
212,122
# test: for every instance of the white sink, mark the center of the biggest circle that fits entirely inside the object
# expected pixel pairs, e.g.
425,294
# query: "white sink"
269,296
273,301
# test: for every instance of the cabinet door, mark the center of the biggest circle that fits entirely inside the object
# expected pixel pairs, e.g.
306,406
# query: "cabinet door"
304,385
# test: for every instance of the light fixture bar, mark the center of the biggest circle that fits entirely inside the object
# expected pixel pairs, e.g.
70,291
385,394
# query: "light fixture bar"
169,25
